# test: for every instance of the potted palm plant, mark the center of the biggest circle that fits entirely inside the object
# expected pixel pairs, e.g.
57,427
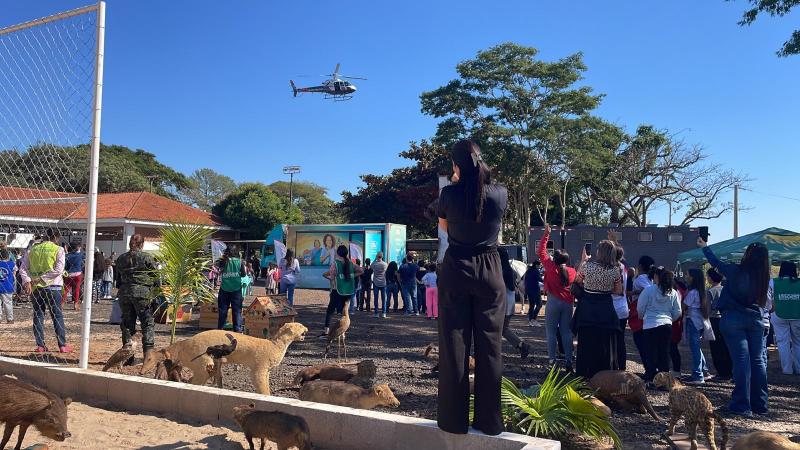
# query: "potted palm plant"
183,263
559,408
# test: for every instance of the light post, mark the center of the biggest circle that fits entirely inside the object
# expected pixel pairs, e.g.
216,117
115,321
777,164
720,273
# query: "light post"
291,170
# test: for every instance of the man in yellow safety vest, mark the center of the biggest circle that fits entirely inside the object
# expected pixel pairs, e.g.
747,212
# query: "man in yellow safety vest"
42,273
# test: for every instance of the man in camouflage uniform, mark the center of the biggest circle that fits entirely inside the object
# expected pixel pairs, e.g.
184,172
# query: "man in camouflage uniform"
135,280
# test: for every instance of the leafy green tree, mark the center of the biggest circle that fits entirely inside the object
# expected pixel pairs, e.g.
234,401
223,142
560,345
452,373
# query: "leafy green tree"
67,169
312,200
207,188
774,8
402,196
512,104
254,208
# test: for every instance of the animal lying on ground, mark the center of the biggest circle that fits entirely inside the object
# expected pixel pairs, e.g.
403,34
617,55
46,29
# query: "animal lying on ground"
366,371
285,430
346,394
260,355
432,353
764,440
623,390
23,405
694,407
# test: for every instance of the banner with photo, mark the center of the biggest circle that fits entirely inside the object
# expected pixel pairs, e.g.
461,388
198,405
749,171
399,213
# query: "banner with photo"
319,248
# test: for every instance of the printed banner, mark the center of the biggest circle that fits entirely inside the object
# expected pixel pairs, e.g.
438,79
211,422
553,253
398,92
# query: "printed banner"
787,298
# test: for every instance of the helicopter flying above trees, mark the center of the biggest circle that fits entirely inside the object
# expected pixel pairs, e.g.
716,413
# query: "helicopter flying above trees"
337,88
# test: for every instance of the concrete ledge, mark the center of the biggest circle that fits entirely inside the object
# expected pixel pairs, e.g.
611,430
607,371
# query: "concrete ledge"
332,427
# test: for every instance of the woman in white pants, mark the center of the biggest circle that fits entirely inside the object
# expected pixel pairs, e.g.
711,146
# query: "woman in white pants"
786,317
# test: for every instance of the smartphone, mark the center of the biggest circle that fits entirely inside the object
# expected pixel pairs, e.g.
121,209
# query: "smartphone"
587,248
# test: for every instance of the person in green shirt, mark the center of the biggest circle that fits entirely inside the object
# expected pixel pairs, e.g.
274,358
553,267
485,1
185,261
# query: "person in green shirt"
232,270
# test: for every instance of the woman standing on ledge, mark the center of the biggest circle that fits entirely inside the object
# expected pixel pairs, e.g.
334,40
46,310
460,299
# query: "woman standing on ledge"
471,294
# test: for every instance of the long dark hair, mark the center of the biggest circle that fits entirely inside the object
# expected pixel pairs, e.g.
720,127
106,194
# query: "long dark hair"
289,258
474,176
665,280
646,266
561,258
698,284
788,270
346,265
391,269
755,263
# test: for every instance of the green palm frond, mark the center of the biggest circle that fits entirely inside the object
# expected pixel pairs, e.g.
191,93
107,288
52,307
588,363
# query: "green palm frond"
552,409
183,262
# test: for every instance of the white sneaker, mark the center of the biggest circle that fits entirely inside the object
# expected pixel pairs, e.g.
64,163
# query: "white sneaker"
533,323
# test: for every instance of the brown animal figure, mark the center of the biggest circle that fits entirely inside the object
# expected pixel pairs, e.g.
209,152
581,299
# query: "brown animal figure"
337,333
346,394
168,370
694,407
623,390
432,353
600,406
23,405
764,440
220,351
366,371
285,430
260,355
123,355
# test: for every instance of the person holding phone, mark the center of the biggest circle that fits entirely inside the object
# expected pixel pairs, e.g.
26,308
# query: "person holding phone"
472,294
741,302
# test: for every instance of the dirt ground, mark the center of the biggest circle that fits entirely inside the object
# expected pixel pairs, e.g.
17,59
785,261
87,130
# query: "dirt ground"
396,345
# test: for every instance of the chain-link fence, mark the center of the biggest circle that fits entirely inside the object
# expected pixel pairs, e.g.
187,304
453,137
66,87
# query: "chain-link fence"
50,96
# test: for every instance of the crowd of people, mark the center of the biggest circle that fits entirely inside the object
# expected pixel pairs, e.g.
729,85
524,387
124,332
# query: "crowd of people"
729,306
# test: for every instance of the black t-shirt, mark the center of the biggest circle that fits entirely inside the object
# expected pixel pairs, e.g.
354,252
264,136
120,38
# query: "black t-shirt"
463,230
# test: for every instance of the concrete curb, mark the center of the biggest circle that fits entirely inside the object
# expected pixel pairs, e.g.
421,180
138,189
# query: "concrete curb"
332,427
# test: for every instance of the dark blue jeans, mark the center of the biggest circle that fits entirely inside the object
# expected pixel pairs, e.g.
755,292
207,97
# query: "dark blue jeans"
392,291
744,335
409,292
232,300
384,303
42,299
288,289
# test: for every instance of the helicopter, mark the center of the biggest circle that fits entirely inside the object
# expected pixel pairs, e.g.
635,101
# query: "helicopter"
336,88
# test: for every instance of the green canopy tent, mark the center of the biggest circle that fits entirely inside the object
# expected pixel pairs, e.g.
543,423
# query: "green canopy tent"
783,245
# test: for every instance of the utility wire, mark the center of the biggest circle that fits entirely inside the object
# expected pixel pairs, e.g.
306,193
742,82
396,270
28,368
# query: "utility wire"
771,195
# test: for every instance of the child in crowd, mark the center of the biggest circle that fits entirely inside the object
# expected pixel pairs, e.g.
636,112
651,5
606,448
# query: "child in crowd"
273,276
697,314
252,275
7,270
431,292
108,278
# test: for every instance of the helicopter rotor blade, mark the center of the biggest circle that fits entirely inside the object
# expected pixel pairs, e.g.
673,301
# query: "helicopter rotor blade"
352,78
336,70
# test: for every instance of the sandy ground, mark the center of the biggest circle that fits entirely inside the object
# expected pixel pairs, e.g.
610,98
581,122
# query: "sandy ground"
396,345
100,427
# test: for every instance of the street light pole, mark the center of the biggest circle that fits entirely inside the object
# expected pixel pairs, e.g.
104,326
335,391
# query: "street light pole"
291,170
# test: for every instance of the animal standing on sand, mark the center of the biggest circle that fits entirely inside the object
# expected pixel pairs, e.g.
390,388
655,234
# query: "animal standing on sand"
337,333
285,430
260,355
694,407
23,405
623,390
124,355
218,353
346,394
366,370
764,440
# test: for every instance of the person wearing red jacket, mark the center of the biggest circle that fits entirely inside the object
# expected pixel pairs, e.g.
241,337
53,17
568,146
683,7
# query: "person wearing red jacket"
558,277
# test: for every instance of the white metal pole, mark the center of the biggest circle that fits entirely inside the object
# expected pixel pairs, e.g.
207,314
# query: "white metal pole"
735,211
91,222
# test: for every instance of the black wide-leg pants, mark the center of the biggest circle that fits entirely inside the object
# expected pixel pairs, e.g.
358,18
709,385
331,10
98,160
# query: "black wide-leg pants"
471,309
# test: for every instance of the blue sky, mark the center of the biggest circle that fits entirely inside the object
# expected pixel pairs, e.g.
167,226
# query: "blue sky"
205,84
